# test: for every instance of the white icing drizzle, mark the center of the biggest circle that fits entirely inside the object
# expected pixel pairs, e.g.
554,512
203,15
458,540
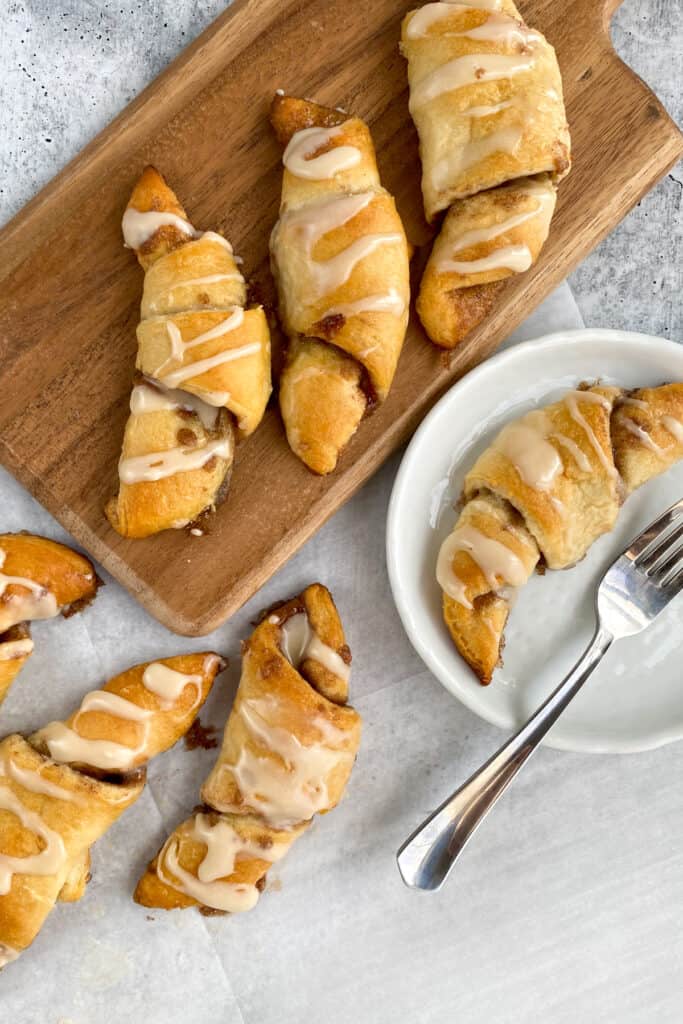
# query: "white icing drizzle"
67,746
144,398
167,684
300,641
209,279
294,787
572,401
213,236
315,221
579,456
299,160
204,365
642,435
47,862
224,846
8,954
389,302
498,563
489,111
233,320
517,258
674,427
423,19
36,783
635,403
462,157
10,650
159,465
138,227
525,444
37,603
500,28
472,69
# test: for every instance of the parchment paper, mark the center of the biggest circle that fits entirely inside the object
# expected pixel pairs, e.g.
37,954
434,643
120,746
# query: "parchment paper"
336,937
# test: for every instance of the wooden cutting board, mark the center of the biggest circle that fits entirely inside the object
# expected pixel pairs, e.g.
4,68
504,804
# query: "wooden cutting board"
70,292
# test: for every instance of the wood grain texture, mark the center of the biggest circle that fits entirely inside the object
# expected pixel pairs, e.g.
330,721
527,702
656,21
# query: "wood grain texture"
70,292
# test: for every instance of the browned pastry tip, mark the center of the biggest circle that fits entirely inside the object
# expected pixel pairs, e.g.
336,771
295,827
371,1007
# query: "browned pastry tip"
77,880
152,193
289,115
449,316
249,871
16,648
63,572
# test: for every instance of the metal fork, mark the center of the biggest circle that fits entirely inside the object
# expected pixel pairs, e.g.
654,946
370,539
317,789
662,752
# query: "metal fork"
632,593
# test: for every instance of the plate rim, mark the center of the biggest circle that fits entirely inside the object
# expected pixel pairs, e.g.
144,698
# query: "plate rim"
517,352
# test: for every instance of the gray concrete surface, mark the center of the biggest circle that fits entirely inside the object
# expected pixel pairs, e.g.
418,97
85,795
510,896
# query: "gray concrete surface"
68,66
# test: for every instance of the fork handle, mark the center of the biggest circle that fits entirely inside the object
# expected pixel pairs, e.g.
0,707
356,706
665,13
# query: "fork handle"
426,858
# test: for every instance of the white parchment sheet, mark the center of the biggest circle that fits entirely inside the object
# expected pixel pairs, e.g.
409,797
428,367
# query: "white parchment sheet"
336,937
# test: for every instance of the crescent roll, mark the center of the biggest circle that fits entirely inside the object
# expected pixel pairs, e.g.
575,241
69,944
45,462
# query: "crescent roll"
287,754
341,262
61,789
205,365
484,239
548,486
138,714
486,98
39,579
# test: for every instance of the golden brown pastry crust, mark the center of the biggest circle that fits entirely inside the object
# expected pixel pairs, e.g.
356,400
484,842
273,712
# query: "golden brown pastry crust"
647,433
58,569
358,303
584,499
56,810
461,282
79,822
62,581
154,890
195,335
605,446
295,705
146,507
509,76
289,710
16,647
163,727
477,631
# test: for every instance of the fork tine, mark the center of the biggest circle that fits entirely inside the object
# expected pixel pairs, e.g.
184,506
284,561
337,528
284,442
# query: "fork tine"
659,560
644,546
674,581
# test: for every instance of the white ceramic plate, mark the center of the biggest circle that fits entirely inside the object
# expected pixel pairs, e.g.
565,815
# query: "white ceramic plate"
634,701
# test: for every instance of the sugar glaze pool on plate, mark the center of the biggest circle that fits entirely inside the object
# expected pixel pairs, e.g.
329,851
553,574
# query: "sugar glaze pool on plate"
635,700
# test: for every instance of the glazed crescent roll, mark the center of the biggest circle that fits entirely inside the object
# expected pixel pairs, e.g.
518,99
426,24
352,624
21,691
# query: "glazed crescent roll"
139,713
548,486
287,754
486,98
205,357
39,579
341,262
60,791
484,240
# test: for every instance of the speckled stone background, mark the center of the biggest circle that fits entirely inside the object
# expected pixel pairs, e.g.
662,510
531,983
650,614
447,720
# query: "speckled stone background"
68,66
